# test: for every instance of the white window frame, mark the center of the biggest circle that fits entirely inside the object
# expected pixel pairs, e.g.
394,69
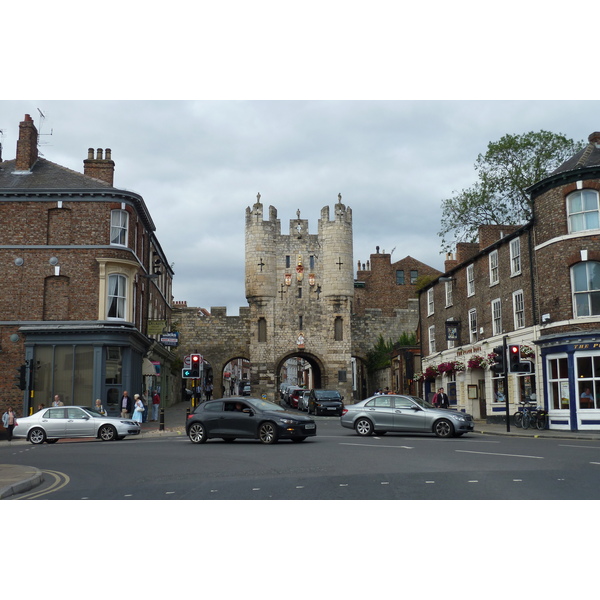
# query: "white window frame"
472,325
430,304
493,265
515,256
448,292
431,332
471,280
119,227
585,215
116,297
588,293
519,309
496,316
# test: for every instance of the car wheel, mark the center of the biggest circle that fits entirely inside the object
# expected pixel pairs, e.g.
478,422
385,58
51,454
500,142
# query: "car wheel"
197,433
37,435
107,433
267,433
299,439
443,428
363,427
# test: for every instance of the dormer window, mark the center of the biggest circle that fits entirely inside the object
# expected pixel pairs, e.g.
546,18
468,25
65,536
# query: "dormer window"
582,210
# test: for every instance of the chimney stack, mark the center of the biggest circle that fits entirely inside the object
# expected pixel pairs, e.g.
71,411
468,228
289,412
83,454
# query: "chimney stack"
99,167
27,151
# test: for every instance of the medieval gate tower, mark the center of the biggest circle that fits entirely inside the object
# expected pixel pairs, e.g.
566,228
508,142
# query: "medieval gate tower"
300,289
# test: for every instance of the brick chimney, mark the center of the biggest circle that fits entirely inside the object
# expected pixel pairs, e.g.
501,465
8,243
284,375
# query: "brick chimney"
99,168
450,262
27,151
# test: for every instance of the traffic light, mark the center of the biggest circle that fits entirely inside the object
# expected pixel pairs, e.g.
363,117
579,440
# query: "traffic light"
195,359
498,366
22,377
514,357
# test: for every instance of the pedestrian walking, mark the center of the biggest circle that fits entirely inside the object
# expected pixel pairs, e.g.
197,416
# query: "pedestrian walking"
57,401
126,405
99,407
9,420
138,406
443,400
155,405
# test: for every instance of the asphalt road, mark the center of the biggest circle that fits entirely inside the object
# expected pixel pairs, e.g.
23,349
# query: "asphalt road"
337,464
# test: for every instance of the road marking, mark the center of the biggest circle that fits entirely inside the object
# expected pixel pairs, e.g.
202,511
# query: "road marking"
376,446
473,481
60,481
574,446
499,454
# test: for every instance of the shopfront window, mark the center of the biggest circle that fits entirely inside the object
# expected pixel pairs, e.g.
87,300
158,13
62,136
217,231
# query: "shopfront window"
588,381
499,393
558,383
527,389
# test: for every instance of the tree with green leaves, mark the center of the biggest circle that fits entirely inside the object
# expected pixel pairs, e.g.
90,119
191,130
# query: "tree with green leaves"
499,195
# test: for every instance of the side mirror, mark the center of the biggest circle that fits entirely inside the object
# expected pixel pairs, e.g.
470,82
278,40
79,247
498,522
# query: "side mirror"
416,408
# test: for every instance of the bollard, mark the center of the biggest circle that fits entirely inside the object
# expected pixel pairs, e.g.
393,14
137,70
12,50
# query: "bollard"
161,420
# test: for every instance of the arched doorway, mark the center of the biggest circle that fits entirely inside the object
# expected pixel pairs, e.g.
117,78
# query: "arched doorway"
301,369
236,376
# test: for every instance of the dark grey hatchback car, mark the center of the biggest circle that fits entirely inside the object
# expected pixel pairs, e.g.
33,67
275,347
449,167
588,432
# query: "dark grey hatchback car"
250,418
380,414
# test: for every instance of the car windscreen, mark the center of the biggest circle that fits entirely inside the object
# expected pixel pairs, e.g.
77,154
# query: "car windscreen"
92,411
326,395
264,404
421,402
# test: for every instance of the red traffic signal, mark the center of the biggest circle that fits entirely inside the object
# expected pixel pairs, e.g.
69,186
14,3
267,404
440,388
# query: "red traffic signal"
195,360
514,358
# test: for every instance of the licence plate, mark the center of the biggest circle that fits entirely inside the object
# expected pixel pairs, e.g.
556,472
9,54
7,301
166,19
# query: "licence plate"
331,408
309,426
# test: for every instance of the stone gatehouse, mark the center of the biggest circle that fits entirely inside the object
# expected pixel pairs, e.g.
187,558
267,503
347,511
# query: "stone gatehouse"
300,291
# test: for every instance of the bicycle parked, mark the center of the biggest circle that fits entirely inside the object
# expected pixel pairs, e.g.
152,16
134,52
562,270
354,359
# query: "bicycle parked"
528,416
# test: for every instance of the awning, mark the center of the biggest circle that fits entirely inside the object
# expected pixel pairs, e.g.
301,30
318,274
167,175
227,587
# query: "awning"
148,367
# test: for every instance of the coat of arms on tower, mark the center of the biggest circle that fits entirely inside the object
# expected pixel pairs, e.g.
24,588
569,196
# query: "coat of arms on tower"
311,279
299,272
288,278
300,340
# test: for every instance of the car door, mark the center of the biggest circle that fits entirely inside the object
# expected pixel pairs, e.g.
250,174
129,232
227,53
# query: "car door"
79,423
53,422
238,423
408,416
380,411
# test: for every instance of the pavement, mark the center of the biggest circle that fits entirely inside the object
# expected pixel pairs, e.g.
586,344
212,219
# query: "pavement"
17,479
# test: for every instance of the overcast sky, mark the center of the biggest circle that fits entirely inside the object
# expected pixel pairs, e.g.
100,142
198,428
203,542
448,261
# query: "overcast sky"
199,164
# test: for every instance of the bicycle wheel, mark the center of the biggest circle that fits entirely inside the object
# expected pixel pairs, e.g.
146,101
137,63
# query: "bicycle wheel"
541,421
526,420
518,419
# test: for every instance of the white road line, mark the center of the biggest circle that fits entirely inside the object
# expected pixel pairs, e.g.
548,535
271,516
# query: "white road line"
377,446
499,454
574,446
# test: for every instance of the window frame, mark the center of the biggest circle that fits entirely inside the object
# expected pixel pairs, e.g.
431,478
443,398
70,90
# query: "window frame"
587,292
121,297
472,315
496,316
448,292
120,228
431,339
518,311
494,268
400,279
515,256
430,302
471,280
582,213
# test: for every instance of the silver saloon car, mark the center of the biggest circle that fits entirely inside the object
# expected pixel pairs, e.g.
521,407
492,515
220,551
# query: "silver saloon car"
51,424
380,414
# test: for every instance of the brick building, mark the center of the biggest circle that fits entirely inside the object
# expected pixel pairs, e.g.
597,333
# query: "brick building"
537,286
84,283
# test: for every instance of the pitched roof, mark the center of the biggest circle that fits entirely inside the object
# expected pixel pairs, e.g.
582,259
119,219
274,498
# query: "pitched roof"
588,157
46,175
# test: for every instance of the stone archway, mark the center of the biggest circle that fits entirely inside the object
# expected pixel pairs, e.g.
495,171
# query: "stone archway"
313,373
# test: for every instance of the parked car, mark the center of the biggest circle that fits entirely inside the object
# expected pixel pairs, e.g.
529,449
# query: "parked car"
51,424
293,395
329,402
250,418
245,391
303,400
380,414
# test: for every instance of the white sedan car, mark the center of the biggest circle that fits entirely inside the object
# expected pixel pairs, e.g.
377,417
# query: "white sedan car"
51,424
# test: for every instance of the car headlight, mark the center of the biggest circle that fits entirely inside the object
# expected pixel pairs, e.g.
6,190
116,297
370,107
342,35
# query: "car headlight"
287,421
460,418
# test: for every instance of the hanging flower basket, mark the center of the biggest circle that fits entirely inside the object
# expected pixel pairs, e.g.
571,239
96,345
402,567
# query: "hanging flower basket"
477,362
430,372
527,351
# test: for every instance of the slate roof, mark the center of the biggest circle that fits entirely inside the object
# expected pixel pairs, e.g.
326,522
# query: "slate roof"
588,157
47,175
